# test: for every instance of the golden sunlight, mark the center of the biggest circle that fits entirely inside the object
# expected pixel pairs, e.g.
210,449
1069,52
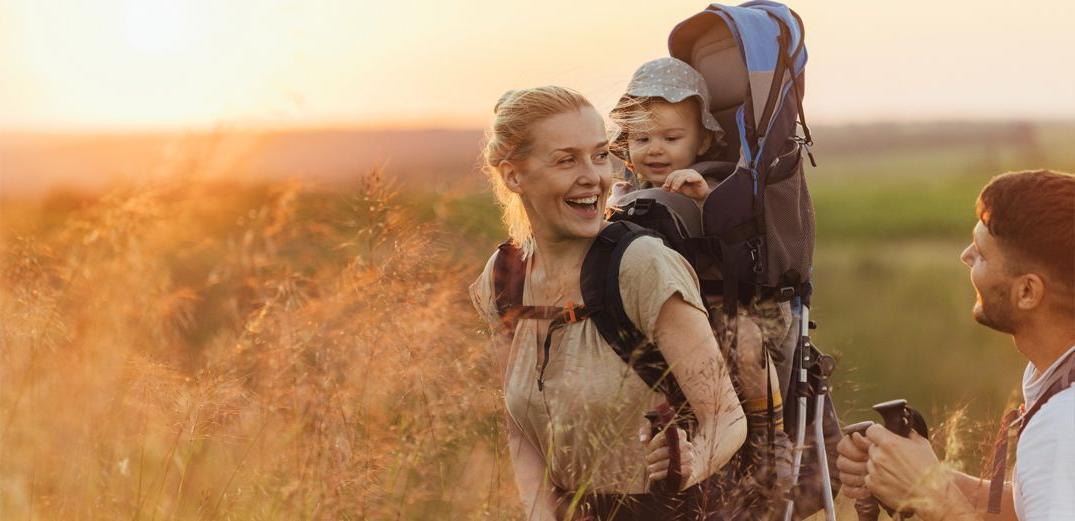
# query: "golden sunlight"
157,26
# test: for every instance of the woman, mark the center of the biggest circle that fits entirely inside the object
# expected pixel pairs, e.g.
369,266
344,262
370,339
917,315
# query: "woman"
578,440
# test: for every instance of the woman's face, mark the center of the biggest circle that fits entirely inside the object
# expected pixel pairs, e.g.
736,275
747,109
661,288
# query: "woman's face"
564,180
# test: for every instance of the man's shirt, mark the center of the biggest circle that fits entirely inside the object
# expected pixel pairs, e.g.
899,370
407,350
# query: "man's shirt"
1044,485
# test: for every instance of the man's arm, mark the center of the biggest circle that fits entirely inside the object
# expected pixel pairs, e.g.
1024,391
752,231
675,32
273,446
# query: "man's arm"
905,472
976,491
961,493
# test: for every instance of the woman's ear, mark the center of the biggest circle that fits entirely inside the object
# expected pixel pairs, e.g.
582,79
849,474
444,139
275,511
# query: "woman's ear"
511,176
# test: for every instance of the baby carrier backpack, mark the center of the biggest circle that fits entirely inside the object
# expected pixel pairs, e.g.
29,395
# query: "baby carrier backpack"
753,237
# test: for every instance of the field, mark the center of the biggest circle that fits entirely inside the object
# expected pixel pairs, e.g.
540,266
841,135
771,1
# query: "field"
191,346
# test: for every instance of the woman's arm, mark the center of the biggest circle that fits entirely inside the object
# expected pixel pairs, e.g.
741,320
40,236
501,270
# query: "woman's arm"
538,494
683,335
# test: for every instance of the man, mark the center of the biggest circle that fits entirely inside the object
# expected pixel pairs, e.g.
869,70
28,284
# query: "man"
1022,266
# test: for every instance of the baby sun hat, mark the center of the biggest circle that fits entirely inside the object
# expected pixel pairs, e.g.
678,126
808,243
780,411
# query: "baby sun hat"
671,80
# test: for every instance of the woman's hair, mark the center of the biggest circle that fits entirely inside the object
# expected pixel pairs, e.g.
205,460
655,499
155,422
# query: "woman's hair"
511,139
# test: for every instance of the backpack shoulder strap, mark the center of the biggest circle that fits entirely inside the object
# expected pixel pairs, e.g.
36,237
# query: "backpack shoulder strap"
509,276
1015,423
1063,378
600,282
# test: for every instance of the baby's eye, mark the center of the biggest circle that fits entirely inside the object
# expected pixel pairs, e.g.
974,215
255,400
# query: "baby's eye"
641,139
672,139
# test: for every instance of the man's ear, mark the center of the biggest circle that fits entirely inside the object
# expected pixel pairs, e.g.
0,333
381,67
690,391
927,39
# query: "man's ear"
511,176
1029,291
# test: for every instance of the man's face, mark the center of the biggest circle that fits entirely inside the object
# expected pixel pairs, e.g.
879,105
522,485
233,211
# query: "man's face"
991,279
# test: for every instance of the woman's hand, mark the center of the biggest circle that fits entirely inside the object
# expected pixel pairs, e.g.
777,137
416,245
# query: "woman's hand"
687,182
657,455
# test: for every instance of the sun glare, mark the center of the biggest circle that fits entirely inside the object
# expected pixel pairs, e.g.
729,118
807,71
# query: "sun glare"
156,26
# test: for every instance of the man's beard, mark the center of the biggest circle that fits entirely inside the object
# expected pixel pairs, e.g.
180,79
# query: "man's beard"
995,310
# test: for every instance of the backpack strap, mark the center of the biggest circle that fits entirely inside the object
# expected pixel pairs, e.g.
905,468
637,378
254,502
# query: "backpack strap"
602,298
509,278
602,302
1016,421
1063,378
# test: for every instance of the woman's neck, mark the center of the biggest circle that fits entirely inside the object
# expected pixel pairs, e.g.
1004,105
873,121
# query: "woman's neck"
558,265
557,256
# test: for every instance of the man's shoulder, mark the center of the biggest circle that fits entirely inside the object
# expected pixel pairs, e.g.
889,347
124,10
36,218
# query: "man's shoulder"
1055,421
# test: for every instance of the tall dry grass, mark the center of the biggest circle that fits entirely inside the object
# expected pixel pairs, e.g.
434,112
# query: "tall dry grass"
192,350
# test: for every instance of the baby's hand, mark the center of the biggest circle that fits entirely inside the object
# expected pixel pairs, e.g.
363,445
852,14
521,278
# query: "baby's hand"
687,182
619,189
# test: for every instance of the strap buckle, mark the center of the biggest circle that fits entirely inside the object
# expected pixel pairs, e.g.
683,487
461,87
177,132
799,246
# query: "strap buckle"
569,309
785,293
641,207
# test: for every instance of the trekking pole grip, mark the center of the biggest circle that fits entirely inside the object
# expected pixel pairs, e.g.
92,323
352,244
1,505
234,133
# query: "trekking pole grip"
664,419
901,419
868,509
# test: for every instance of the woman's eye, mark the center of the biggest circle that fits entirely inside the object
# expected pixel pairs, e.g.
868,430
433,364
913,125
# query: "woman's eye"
601,156
566,161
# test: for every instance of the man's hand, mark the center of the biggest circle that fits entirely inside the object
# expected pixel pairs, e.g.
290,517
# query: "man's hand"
903,472
687,182
851,462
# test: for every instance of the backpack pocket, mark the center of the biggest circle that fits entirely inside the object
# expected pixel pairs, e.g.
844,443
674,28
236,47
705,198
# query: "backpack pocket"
789,222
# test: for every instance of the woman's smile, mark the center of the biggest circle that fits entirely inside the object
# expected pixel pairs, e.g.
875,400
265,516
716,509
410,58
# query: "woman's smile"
584,206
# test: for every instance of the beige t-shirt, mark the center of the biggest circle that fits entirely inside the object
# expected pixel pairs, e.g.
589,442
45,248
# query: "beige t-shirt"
586,421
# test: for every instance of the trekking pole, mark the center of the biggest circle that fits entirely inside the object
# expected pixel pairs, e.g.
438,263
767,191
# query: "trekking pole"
868,509
900,419
811,361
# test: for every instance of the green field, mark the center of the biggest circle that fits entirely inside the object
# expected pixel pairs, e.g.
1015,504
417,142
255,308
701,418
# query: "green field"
194,349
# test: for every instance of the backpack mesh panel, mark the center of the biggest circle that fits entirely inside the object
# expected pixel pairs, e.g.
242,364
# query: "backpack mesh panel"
789,223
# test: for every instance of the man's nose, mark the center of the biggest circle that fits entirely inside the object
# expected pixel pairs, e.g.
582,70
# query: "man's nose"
967,256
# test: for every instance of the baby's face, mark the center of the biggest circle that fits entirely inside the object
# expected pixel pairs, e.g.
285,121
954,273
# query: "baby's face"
672,140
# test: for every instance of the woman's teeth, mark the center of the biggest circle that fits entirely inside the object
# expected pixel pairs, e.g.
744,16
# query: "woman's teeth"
588,203
584,200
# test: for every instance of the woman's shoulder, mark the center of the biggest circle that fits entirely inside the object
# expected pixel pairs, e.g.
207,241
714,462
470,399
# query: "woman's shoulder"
649,253
650,274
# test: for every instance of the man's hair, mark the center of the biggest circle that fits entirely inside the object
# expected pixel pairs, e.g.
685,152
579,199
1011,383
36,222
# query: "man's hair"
1032,214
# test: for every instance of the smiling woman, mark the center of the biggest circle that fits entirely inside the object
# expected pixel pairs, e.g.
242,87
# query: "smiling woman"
575,409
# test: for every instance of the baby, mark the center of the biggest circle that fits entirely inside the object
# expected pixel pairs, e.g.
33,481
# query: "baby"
666,126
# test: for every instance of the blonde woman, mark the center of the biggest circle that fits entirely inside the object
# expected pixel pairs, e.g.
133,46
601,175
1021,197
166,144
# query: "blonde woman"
577,429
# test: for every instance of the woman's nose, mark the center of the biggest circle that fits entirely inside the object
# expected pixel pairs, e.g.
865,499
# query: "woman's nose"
592,172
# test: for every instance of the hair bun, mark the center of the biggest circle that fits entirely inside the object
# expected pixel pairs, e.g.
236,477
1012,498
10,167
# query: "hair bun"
504,97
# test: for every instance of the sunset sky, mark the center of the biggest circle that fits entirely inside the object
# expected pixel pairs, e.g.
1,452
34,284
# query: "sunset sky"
148,64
